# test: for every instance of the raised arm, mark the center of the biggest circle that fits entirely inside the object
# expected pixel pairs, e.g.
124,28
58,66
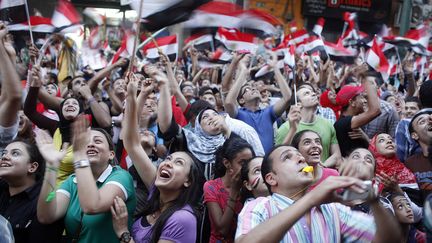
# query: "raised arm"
30,111
174,86
99,109
231,99
52,205
92,200
99,76
281,105
11,93
164,112
131,140
227,78
274,228
373,105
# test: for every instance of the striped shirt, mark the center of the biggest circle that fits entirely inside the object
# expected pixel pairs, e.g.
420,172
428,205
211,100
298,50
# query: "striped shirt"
330,223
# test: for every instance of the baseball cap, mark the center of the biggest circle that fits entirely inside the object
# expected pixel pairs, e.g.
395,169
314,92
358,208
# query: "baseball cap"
419,113
347,93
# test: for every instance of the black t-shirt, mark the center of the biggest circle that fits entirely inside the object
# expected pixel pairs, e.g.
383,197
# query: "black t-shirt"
346,144
20,211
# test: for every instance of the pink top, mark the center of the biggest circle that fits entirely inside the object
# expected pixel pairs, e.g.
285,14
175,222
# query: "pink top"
326,173
215,191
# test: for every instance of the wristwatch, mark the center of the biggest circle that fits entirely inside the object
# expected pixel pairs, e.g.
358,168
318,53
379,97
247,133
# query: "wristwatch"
125,237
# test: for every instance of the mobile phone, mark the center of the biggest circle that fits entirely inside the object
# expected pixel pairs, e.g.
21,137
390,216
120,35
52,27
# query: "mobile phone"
349,195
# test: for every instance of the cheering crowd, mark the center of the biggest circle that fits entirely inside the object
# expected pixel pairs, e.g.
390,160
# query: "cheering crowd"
181,151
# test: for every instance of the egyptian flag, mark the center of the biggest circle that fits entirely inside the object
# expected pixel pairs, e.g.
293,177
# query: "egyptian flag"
235,40
258,22
378,61
310,45
318,28
92,14
13,11
418,37
297,37
200,42
157,14
338,53
39,24
218,58
126,48
66,18
167,45
214,15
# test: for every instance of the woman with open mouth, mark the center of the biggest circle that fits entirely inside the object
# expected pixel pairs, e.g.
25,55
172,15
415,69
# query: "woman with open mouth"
70,108
309,145
21,173
175,188
84,200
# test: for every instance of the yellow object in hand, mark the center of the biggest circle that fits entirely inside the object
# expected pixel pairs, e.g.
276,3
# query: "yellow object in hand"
308,169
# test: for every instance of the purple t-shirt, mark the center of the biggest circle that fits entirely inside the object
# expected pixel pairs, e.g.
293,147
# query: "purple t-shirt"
180,228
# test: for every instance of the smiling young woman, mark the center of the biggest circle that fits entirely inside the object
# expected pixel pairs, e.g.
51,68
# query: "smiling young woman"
175,188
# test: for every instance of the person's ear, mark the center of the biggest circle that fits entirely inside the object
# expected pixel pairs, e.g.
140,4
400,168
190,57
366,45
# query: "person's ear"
414,136
226,163
271,179
187,183
247,185
241,101
33,167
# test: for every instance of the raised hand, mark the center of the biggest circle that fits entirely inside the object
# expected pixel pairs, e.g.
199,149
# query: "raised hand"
119,216
47,149
81,135
35,77
294,116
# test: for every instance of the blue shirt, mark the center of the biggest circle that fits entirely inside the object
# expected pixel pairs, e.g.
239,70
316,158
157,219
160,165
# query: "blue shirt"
405,145
262,121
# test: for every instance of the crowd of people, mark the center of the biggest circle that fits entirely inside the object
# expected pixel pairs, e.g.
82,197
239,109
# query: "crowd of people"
180,152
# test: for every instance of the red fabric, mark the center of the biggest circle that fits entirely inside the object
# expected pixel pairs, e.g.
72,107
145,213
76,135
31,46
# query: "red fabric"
347,93
325,102
215,191
123,162
391,166
178,113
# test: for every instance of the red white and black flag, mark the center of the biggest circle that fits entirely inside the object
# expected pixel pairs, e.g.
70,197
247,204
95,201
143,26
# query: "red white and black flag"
65,17
167,45
38,24
378,61
13,11
157,14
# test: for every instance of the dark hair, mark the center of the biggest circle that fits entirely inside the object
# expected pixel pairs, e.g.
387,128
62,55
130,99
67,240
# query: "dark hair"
189,196
241,92
229,150
298,136
196,108
244,175
414,99
109,140
71,81
267,164
35,156
393,195
425,94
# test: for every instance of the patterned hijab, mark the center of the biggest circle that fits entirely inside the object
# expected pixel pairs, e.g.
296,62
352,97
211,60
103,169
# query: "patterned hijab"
391,166
202,145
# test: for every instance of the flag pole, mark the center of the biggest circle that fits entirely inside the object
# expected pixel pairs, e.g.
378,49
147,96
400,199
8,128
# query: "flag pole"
149,39
137,35
29,23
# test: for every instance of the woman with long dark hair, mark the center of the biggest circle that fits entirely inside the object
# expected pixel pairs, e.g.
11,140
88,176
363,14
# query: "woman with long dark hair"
221,195
175,188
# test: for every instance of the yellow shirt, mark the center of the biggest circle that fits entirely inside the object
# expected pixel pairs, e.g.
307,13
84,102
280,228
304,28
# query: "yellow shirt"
66,165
